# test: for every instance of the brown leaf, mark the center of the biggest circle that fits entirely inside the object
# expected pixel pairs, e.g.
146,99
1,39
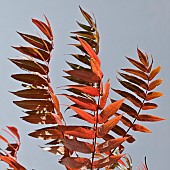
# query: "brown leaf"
153,95
36,41
78,146
124,120
138,64
104,97
35,104
154,84
84,75
32,93
75,162
58,150
109,111
143,57
154,72
82,58
149,118
33,79
106,127
140,128
30,65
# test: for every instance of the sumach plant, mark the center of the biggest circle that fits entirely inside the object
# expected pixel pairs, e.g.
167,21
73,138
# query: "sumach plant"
107,121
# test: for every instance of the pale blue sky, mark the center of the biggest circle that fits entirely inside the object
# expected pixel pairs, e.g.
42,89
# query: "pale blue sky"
123,26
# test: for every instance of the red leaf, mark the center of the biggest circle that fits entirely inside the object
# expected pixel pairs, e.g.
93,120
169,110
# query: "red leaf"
109,111
75,162
106,127
77,131
104,97
101,163
140,128
85,103
46,29
78,146
84,75
110,144
58,150
148,106
89,50
86,116
86,89
14,130
149,118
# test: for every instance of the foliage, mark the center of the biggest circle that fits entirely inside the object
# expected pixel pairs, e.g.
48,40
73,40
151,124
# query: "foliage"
99,142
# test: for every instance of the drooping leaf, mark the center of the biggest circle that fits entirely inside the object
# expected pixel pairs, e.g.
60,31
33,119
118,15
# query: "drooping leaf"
30,65
36,41
85,34
140,128
77,131
104,97
143,57
33,93
106,127
86,103
129,96
78,146
138,73
46,29
109,111
14,131
147,106
84,115
110,144
154,72
86,89
149,118
153,95
75,162
139,65
77,66
84,75
35,104
101,163
82,58
85,27
135,80
154,84
34,52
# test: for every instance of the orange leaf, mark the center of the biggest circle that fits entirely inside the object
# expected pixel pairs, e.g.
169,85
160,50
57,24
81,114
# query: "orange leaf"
101,163
154,84
77,131
75,162
89,50
85,103
149,118
96,68
46,29
140,128
84,75
104,97
78,146
153,95
110,144
154,72
14,130
86,116
148,106
106,127
109,111
86,89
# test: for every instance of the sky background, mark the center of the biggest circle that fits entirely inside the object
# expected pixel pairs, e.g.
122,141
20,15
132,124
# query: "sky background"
123,25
